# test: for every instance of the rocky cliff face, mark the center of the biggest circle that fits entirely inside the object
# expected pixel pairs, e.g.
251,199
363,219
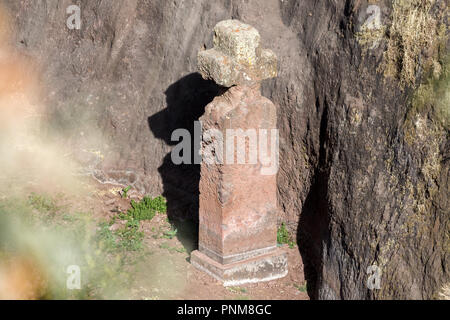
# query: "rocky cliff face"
363,176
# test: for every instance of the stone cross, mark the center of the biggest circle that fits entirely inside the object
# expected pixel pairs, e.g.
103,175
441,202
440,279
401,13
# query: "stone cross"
238,201
237,57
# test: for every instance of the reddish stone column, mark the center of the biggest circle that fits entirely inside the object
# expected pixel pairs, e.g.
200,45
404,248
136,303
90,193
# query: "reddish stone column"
238,191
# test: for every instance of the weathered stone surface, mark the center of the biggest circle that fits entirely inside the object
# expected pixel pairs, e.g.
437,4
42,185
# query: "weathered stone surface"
237,57
345,162
234,223
237,225
266,267
237,40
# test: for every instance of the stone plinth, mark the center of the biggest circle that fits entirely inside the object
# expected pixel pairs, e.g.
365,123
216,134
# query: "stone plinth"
238,203
238,190
266,267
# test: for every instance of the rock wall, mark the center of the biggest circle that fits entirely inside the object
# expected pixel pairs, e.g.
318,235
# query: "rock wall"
351,184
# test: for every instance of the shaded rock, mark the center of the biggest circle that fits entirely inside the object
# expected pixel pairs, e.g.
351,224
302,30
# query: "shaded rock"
354,182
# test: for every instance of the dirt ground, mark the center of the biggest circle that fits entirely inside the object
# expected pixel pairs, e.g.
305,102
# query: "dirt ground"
165,272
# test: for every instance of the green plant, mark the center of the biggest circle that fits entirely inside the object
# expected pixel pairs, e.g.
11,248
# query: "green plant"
106,239
147,208
181,250
130,238
159,204
170,234
283,236
301,288
125,192
44,203
237,290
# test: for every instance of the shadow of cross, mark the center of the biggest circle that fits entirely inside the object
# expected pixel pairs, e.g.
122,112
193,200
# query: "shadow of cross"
185,103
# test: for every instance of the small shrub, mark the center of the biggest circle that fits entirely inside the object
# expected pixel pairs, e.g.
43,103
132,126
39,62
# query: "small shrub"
170,234
125,192
159,204
130,236
43,203
147,208
106,238
302,288
283,236
181,250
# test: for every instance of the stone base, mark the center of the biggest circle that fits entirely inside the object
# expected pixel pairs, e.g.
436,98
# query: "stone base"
265,267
